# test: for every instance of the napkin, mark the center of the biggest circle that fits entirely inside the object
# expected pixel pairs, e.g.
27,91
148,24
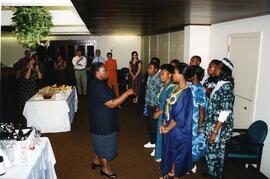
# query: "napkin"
59,96
6,160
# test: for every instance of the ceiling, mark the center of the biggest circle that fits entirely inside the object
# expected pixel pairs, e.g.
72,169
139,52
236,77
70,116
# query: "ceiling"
65,18
146,17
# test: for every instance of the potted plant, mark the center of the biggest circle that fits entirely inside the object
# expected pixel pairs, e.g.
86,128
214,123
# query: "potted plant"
32,24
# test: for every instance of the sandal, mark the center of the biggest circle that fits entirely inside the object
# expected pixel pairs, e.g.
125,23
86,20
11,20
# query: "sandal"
167,176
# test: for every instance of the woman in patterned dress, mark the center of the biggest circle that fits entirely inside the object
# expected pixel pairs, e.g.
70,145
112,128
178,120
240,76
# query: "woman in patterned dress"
199,102
218,125
134,67
167,88
28,82
177,128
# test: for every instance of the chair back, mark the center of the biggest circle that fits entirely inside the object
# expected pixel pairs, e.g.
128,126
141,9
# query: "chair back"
257,131
123,77
124,71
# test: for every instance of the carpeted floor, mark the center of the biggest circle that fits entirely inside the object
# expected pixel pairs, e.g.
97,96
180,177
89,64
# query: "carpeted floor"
73,149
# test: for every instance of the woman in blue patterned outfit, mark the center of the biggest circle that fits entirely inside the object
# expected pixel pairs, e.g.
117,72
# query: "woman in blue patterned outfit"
167,88
177,128
218,125
199,102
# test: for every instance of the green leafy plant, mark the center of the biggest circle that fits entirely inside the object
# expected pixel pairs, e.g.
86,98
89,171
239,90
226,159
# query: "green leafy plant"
32,24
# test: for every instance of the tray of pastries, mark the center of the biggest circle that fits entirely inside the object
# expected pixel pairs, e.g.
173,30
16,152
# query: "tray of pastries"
48,91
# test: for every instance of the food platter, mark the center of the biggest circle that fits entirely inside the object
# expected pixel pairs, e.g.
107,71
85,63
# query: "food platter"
48,91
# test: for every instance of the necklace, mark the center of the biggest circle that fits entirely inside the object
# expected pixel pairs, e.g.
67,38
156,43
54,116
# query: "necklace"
172,100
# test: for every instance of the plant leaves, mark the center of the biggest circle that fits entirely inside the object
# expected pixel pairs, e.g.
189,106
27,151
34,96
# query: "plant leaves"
32,24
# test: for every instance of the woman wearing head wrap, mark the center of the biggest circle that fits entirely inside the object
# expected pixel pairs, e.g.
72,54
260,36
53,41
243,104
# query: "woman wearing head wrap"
218,125
210,83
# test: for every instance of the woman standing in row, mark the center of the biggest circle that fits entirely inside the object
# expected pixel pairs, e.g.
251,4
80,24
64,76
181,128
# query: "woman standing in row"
177,128
199,103
218,125
167,88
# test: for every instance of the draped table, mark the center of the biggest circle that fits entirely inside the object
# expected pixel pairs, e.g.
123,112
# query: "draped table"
52,115
39,165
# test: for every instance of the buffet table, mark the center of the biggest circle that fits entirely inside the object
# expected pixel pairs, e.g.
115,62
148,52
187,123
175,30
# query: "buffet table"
52,115
39,164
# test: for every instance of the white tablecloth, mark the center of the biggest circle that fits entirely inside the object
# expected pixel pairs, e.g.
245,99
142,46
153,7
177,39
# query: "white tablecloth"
40,164
51,115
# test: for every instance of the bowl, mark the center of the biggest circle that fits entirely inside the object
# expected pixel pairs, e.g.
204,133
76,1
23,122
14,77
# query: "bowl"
47,95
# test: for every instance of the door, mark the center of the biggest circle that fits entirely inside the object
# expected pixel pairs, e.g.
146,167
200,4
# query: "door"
244,54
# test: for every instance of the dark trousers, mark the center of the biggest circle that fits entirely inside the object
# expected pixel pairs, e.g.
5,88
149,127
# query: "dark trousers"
152,125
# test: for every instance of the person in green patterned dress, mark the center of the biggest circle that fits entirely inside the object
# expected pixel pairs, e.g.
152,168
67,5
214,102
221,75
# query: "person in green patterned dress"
218,124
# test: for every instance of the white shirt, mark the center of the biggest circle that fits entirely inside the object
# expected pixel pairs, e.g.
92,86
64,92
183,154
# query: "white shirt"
222,114
98,59
81,65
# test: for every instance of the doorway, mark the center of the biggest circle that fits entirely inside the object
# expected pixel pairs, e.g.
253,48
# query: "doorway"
243,51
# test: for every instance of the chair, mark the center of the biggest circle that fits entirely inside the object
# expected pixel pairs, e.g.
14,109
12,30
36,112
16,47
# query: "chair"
247,147
123,79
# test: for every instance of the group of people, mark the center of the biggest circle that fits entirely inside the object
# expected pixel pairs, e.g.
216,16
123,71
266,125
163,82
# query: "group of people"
30,74
190,117
110,64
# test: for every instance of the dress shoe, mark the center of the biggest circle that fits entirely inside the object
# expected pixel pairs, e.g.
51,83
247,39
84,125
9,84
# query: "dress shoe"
94,166
113,175
149,145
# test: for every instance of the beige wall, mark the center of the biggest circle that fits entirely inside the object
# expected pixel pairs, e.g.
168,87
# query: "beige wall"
145,52
11,51
153,46
121,47
165,46
176,45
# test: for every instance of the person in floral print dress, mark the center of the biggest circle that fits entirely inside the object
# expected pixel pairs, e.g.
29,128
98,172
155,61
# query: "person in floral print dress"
199,103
